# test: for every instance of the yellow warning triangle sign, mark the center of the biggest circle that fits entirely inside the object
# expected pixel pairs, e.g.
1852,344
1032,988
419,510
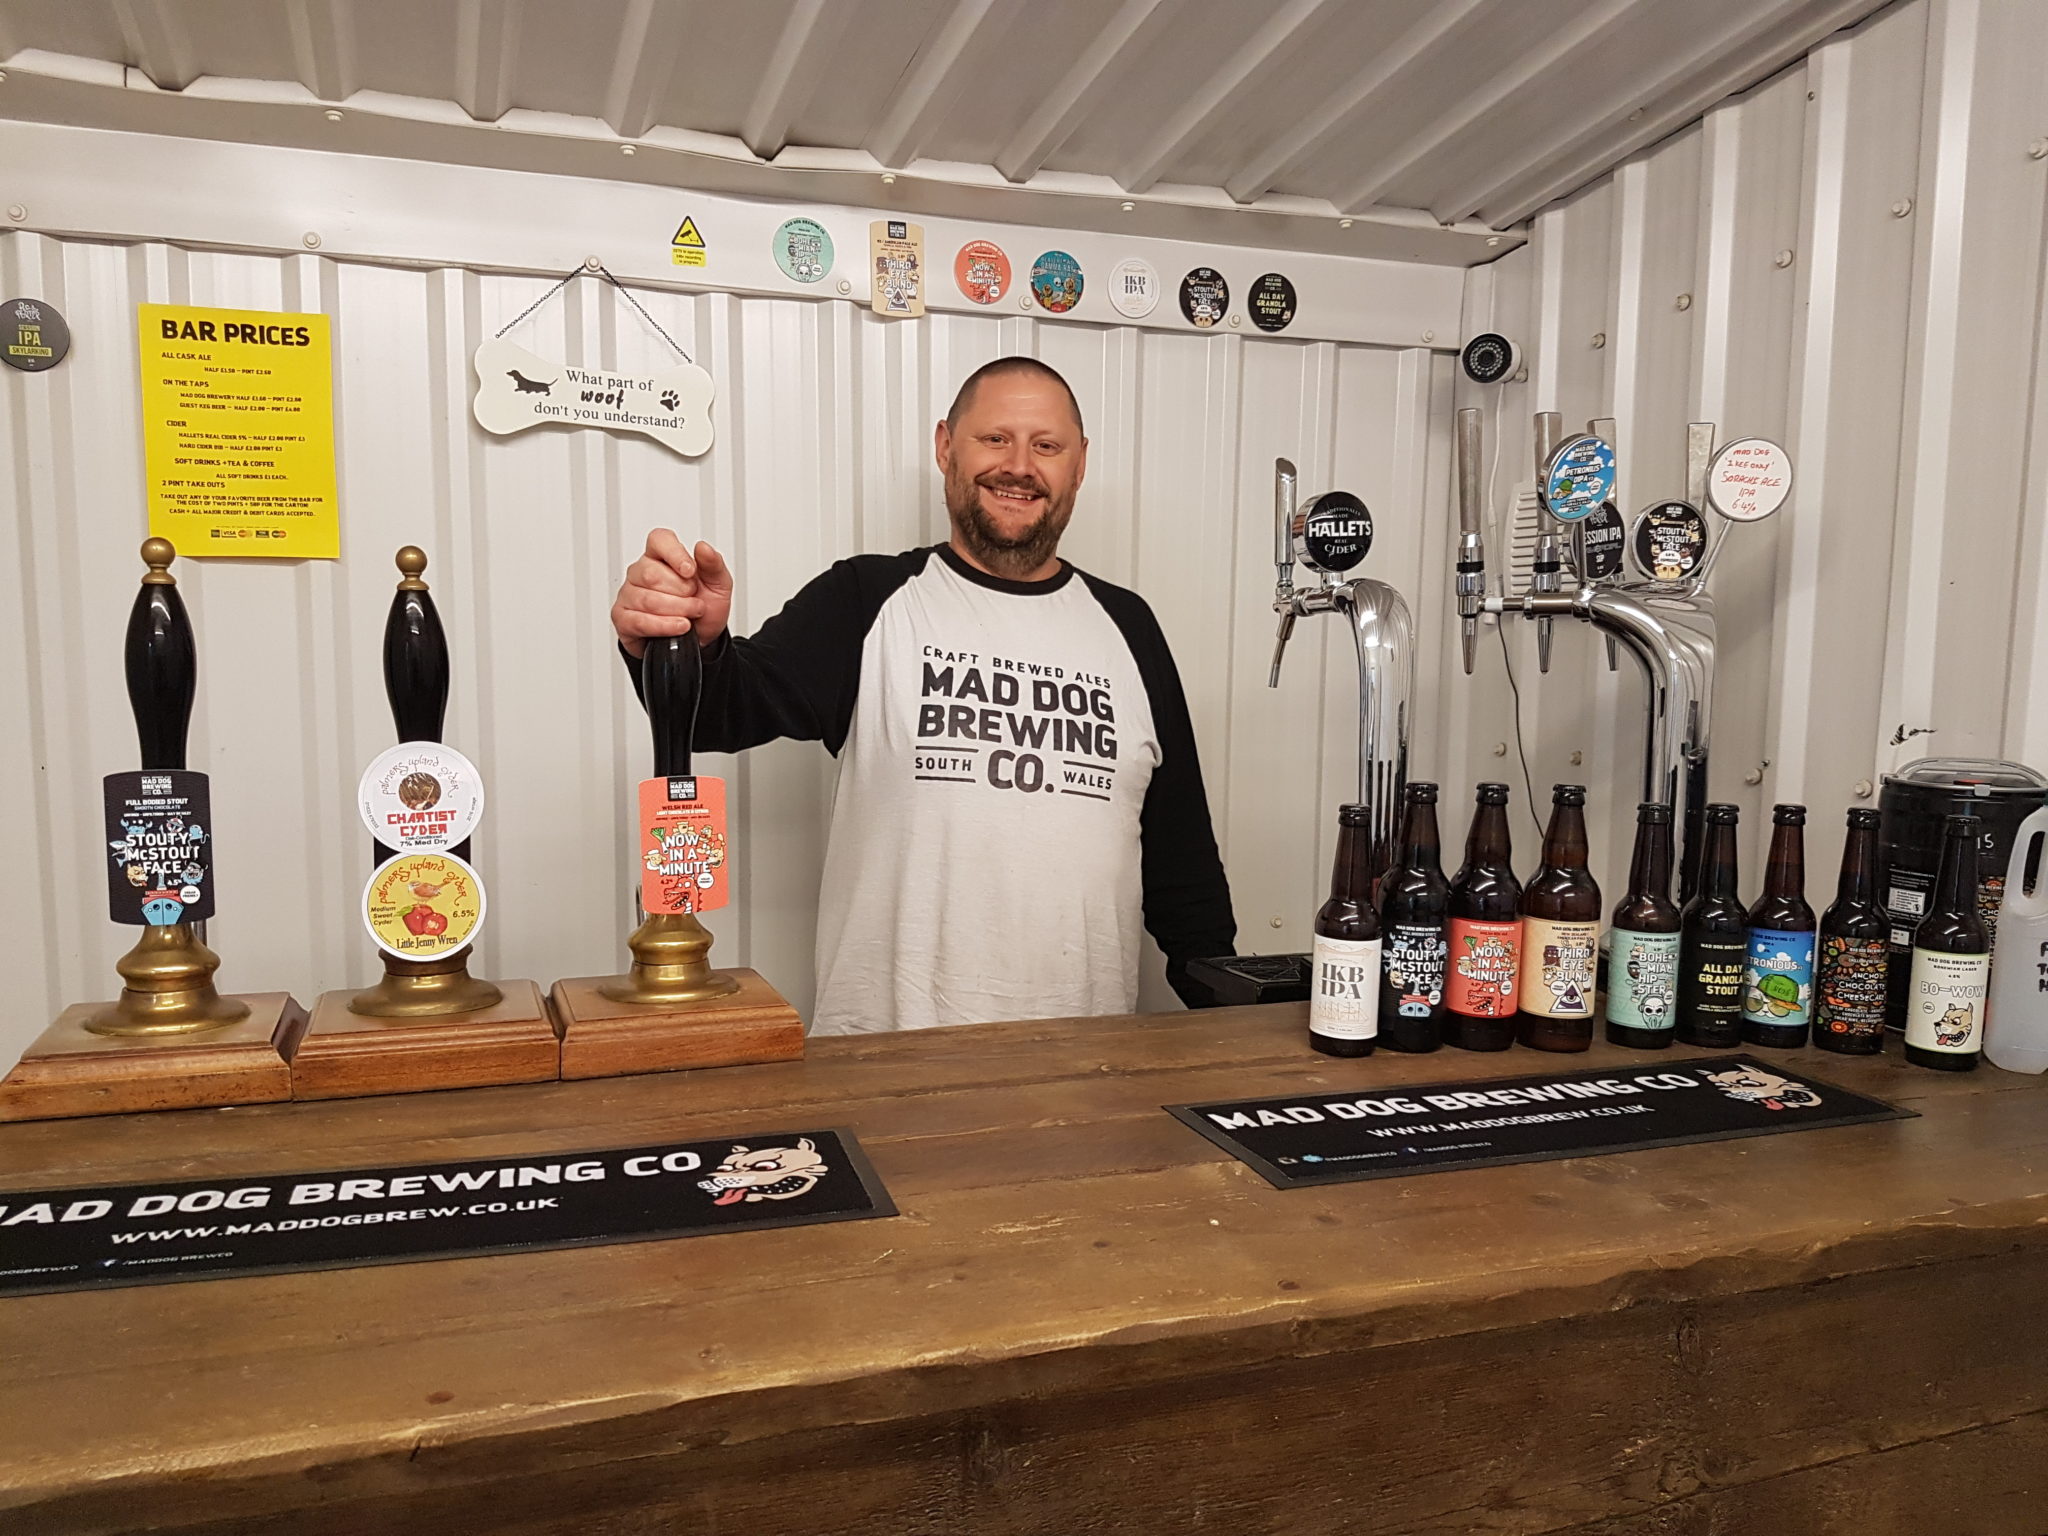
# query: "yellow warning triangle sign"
687,236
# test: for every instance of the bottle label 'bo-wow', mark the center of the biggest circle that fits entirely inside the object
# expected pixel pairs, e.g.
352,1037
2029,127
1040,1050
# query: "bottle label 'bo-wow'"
1945,1001
1344,993
1557,967
1483,967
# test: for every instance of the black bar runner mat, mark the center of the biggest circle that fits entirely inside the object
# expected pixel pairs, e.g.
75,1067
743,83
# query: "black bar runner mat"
1295,1140
146,1234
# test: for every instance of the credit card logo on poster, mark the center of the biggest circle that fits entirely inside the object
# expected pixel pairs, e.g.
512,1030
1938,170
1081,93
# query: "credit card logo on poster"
683,849
1057,281
803,249
982,271
897,251
1204,296
159,848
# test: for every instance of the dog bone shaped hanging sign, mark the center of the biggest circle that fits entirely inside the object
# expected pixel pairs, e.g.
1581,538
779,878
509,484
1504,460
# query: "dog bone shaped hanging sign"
515,389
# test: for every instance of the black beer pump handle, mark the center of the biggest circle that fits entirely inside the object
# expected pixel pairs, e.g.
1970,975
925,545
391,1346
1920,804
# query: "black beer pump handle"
415,655
671,678
162,662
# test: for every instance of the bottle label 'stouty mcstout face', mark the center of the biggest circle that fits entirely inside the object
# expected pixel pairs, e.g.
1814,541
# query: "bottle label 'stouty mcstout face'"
1557,967
1849,988
1642,980
1344,996
1484,965
1777,981
1945,1001
1413,960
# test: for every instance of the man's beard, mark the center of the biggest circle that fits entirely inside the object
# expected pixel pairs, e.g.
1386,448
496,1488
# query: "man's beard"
1013,556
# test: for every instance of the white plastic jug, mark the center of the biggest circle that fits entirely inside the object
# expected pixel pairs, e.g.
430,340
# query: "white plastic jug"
2016,1021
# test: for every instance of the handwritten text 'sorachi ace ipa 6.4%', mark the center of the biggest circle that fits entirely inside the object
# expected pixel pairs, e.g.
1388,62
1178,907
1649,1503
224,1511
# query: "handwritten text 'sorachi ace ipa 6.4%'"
1851,969
1714,947
1344,991
1951,961
1482,970
1414,898
1777,979
1560,933
1642,950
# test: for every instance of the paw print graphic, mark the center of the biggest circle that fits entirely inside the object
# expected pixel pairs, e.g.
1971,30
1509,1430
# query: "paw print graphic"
670,399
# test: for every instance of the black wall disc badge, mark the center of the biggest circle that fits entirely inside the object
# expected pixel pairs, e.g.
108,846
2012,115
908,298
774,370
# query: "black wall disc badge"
1204,297
33,336
1670,541
1489,358
1272,302
1333,532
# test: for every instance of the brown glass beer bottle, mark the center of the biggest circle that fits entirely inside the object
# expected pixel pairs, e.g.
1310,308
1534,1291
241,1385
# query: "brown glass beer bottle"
1344,987
1414,897
1484,932
1777,979
1560,933
1852,970
1951,961
1714,941
1642,948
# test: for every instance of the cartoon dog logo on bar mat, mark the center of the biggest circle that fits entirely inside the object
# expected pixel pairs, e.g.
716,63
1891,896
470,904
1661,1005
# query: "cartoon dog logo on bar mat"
773,1173
1753,1085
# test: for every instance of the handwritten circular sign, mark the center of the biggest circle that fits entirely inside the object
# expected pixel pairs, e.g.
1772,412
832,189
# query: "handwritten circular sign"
981,270
420,797
1134,288
1578,478
1601,537
420,906
1749,479
1670,541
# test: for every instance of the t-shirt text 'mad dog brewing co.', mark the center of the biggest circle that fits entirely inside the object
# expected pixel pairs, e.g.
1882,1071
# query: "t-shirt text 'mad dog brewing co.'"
1018,798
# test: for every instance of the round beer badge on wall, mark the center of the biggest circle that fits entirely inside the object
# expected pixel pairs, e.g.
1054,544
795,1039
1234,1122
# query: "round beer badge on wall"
1134,288
983,271
1272,302
419,906
1204,297
1056,281
33,336
421,797
1670,541
1579,477
1601,537
803,249
1749,480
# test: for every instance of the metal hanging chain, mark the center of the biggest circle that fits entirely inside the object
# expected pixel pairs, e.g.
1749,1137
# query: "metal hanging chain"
575,272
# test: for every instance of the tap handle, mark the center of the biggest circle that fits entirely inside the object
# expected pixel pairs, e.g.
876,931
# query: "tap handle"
1471,504
161,661
415,654
671,681
1699,456
1284,483
1549,433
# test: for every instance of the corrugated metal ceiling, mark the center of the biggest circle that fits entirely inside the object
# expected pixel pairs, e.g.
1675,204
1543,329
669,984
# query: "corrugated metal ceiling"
1464,110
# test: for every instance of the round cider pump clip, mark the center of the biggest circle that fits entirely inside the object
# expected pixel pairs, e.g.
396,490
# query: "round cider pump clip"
421,906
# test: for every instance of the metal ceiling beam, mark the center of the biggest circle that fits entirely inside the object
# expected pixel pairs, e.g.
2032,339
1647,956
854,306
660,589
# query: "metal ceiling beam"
1143,170
1254,179
486,57
1544,179
650,41
1061,111
1545,55
323,47
808,37
157,42
925,93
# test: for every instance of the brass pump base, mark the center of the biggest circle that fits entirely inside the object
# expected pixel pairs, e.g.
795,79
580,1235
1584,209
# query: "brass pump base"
671,964
169,988
426,989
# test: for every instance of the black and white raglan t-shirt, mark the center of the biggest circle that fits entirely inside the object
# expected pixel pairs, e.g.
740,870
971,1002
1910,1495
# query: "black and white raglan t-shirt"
1018,789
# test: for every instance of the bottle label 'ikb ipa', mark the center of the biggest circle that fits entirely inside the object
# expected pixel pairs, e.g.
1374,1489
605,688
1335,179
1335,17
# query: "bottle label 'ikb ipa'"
1484,967
1344,997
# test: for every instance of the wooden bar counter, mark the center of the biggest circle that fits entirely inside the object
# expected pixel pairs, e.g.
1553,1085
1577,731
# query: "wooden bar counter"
1087,1319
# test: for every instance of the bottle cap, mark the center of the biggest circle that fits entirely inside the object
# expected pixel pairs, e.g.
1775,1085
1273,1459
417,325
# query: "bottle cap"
1654,812
1493,794
1568,794
1354,815
1961,826
1422,794
1860,819
1788,815
1721,814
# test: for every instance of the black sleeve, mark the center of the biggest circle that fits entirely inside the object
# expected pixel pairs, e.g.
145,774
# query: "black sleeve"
797,675
1187,898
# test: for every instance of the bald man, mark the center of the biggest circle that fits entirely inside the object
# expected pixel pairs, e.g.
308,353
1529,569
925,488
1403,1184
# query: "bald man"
1018,794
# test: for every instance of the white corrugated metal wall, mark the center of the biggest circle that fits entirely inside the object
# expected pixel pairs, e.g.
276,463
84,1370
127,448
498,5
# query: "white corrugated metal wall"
824,419
1849,259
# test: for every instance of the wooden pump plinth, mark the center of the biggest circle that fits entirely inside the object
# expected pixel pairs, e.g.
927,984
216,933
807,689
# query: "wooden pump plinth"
170,1040
672,1010
428,1023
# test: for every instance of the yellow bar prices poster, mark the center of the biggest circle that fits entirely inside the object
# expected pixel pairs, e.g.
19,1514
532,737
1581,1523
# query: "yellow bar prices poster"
238,431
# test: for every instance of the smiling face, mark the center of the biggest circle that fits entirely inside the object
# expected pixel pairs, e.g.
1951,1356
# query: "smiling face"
1013,461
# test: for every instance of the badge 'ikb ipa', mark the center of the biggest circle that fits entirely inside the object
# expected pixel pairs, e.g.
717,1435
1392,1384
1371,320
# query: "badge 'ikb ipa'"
1715,942
1777,981
1344,993
1484,932
1951,961
1413,899
1642,964
1560,933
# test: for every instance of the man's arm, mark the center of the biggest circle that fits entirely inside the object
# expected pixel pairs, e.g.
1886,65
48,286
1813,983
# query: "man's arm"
1187,897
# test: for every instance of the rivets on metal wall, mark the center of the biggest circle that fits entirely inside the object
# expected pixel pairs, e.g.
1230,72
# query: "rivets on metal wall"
333,116
1862,789
312,240
1236,321
1684,301
1277,922
3,77
1127,207
1782,259
1492,241
1578,759
888,178
627,149
1024,299
845,286
592,264
16,212
1636,116
1500,749
1754,776
1429,335
2038,150
1902,207
1599,340
1346,223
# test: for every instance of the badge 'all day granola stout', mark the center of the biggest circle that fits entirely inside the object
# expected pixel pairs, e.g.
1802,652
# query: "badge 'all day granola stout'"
1714,942
1777,980
1414,897
1344,992
1642,963
1560,933
1951,961
1852,968
1482,971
